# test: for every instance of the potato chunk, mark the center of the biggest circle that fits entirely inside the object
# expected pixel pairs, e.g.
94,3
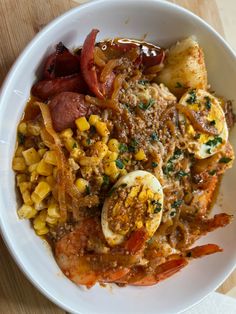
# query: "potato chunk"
184,67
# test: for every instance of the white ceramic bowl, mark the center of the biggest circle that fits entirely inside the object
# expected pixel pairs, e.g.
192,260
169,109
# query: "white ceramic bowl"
164,24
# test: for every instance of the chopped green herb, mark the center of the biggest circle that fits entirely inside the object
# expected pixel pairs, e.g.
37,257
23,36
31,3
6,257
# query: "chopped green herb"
133,145
119,163
92,130
123,185
157,205
176,204
21,138
173,213
154,164
74,145
88,141
148,105
143,82
212,122
154,137
181,174
212,172
214,142
169,168
106,180
87,190
189,254
224,160
192,97
123,148
177,153
112,190
208,151
208,102
178,85
127,107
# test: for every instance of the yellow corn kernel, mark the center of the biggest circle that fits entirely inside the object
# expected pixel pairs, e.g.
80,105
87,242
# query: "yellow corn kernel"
50,157
93,119
18,164
31,156
110,156
67,133
105,139
86,171
26,198
38,223
110,168
33,167
24,186
53,211
101,149
40,192
76,153
21,178
42,231
113,145
42,151
51,180
150,194
82,124
51,220
143,195
101,128
44,169
26,212
81,184
19,151
89,161
34,176
33,128
140,155
22,128
70,144
138,224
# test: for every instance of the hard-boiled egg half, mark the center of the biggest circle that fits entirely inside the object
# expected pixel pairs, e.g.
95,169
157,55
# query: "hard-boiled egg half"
135,201
204,120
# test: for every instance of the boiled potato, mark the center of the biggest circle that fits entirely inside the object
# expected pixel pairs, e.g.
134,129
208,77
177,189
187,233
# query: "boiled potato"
184,67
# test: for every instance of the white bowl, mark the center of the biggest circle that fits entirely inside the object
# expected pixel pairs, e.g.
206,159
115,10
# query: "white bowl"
163,23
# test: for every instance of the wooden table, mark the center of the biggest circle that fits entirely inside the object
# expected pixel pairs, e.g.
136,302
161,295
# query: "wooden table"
19,22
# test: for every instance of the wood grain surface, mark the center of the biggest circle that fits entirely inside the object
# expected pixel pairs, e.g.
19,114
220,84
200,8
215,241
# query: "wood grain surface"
19,22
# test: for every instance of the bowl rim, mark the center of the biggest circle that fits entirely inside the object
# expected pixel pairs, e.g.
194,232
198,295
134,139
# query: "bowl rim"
4,90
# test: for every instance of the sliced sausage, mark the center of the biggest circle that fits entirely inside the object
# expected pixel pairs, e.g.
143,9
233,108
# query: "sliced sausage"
46,89
66,107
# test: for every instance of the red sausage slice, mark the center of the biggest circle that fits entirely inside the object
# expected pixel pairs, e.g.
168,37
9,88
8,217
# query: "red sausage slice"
48,88
66,107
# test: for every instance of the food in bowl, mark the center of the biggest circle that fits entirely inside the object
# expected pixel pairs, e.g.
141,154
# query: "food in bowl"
119,154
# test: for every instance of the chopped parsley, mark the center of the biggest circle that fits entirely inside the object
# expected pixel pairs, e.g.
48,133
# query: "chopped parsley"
178,85
212,172
217,140
177,153
127,107
88,141
123,148
225,160
119,163
157,205
133,145
143,82
154,137
21,138
173,213
148,105
192,97
106,181
154,164
87,190
169,166
208,102
181,174
74,145
112,190
176,204
197,136
212,122
208,151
